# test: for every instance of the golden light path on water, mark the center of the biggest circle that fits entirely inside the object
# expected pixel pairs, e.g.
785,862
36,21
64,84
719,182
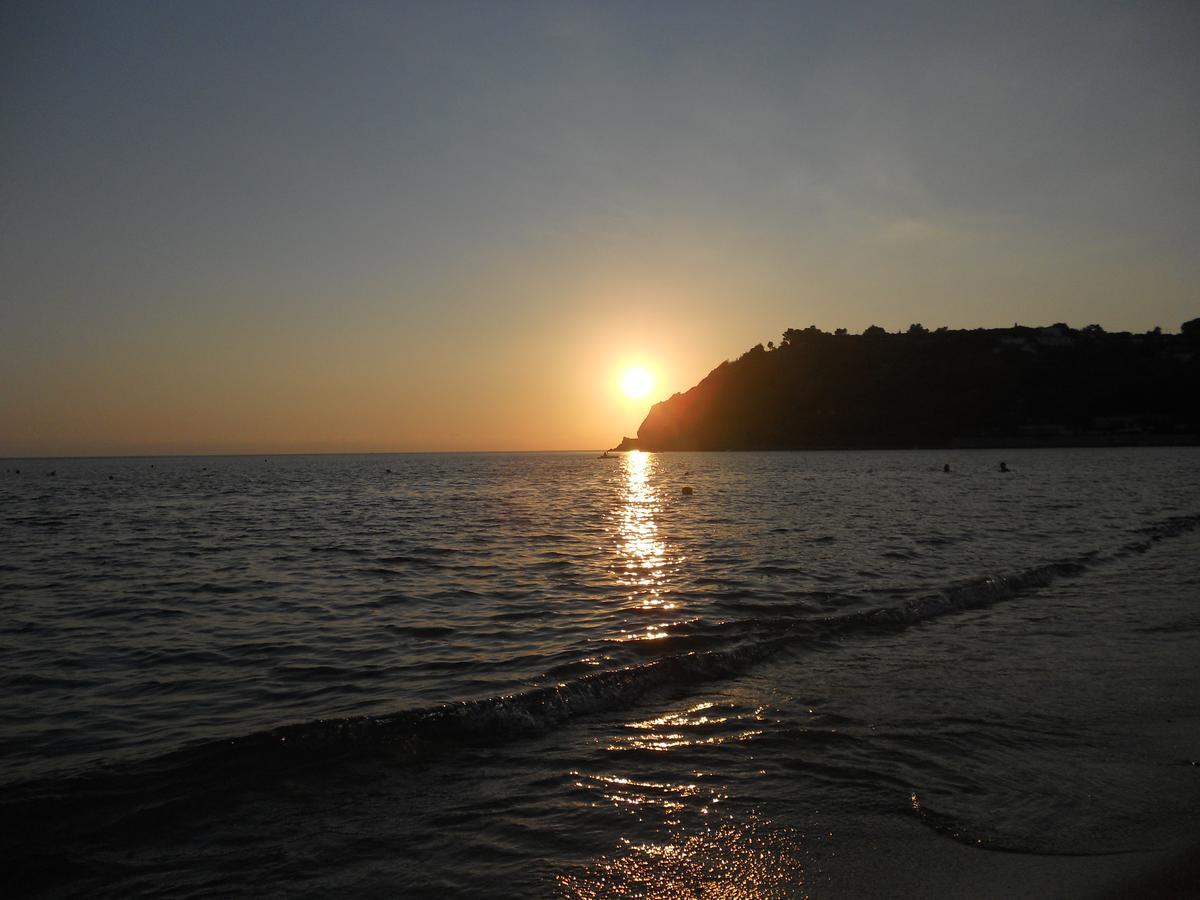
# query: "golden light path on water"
698,849
730,860
643,550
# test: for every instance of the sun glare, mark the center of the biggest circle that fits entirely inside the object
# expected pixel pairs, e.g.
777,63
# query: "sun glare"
637,382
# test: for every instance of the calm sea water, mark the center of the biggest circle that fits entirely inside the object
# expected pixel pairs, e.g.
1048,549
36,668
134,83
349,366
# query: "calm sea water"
541,674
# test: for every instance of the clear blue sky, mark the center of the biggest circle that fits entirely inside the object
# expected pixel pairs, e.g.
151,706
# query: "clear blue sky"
289,226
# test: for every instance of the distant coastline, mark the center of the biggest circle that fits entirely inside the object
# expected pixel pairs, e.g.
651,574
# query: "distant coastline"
1019,387
1012,442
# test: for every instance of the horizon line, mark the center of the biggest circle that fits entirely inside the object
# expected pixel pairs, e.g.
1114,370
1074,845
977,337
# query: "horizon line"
188,455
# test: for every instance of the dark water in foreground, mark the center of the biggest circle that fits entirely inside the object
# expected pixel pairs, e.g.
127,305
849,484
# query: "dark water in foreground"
536,674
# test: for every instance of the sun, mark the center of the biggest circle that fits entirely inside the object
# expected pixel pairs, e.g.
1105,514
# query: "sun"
637,382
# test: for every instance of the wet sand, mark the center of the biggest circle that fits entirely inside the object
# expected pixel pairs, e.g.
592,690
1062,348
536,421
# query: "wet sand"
913,862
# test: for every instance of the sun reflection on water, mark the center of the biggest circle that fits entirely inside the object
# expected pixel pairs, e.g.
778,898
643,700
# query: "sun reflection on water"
697,846
731,859
687,837
642,568
699,725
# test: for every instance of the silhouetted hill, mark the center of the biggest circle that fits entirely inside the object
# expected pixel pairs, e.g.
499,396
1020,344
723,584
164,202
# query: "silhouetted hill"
984,387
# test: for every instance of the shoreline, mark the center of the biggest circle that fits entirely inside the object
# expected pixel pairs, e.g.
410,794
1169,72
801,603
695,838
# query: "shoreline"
920,864
1169,874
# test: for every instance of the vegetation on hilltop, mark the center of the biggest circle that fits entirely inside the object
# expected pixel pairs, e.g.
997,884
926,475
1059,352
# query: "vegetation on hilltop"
1014,386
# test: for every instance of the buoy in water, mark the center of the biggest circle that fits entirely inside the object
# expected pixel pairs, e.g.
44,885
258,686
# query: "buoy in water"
687,492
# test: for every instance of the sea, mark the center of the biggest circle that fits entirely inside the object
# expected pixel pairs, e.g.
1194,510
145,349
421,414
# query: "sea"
793,674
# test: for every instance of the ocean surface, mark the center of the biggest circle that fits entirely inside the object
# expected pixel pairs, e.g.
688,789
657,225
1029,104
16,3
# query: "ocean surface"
539,675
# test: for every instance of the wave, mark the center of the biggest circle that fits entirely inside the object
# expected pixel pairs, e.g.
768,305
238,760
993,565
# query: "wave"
419,733
950,827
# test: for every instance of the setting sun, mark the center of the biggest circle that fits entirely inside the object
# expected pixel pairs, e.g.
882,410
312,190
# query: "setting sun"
637,382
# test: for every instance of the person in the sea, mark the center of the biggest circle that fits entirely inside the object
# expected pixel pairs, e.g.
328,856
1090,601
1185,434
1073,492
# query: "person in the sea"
1003,467
946,467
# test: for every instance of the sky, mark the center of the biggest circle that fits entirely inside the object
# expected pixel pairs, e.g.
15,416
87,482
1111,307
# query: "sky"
259,227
